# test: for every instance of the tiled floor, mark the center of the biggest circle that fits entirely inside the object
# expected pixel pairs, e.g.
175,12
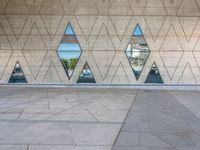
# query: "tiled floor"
61,118
98,119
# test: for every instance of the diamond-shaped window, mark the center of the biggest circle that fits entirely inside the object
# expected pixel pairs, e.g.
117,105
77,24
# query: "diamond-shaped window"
154,75
86,75
69,50
17,75
137,51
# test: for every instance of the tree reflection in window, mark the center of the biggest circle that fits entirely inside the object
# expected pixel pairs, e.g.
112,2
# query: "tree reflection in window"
17,75
86,75
137,51
69,51
154,75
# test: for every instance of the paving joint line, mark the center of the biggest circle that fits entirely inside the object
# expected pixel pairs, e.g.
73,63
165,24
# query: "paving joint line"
124,120
183,106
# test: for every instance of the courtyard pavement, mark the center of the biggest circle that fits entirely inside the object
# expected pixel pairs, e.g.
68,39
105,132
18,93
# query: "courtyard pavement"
33,118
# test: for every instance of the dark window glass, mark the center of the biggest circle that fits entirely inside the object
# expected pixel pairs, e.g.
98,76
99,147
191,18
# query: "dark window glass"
154,75
17,75
86,75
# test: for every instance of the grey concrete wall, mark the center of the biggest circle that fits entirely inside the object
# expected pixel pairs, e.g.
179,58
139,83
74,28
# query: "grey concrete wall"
31,30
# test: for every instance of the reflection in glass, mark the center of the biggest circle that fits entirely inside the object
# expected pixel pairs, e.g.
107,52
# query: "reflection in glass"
69,47
86,75
137,51
69,51
154,75
17,75
69,61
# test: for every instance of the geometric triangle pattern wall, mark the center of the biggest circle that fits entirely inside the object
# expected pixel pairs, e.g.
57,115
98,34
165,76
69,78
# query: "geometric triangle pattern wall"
30,33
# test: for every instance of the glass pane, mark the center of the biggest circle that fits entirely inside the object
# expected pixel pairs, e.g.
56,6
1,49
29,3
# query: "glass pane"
69,52
137,31
17,75
86,75
137,51
139,43
154,75
69,47
69,30
137,60
69,61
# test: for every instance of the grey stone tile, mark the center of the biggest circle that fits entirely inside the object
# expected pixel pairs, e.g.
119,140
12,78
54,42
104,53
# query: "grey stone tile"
162,148
42,133
177,139
67,147
127,139
9,116
130,148
92,148
108,115
183,148
195,127
134,118
148,139
73,115
164,126
10,128
195,138
13,147
135,127
51,147
94,133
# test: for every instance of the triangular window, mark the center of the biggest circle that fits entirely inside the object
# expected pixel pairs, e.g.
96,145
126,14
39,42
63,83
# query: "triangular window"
86,75
137,31
69,51
137,51
154,75
17,75
69,30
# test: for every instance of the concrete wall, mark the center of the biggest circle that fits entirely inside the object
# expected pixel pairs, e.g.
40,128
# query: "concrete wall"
31,30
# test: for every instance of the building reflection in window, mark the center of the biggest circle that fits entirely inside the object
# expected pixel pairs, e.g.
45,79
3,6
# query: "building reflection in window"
137,51
154,75
17,75
86,75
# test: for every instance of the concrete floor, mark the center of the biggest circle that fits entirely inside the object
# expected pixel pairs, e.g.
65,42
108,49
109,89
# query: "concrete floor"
98,119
